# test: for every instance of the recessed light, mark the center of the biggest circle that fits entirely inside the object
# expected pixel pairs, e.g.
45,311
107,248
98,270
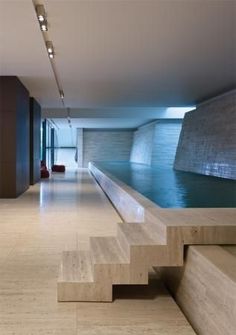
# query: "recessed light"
62,94
44,26
49,46
41,14
51,56
41,18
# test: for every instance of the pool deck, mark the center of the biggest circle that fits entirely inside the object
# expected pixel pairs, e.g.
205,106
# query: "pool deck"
51,217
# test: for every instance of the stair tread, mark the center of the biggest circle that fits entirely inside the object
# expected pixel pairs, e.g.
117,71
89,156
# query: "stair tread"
76,266
107,250
140,234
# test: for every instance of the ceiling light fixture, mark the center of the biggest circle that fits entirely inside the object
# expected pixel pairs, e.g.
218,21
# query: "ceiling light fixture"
44,26
43,23
49,46
50,49
62,94
41,14
42,17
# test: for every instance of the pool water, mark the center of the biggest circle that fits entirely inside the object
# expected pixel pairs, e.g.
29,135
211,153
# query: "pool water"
170,189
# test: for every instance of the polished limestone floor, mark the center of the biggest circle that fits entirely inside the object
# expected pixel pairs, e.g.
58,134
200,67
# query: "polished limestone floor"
56,215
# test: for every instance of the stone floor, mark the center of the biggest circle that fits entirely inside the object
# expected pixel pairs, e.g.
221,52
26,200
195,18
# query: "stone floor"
60,214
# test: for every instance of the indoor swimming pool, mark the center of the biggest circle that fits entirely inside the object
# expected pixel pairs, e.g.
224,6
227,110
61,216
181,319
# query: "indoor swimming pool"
172,189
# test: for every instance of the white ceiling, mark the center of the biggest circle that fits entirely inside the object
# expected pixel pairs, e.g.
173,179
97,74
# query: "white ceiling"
104,123
121,53
113,117
22,51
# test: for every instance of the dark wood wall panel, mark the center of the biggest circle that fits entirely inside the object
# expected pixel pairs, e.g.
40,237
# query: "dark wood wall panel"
14,133
35,124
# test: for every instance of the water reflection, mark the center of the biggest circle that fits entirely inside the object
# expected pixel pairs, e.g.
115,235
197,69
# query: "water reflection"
170,188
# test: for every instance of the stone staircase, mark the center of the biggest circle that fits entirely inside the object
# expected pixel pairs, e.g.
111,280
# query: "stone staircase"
126,258
150,237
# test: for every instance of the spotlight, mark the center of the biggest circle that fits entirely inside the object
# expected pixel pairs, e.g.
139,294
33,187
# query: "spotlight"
41,14
62,94
50,48
44,26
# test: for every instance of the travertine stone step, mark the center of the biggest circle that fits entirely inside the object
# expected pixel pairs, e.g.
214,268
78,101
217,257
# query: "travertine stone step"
107,250
143,244
136,233
76,282
133,234
76,267
205,288
112,264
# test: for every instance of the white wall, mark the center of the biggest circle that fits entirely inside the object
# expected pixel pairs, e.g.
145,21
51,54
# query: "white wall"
66,137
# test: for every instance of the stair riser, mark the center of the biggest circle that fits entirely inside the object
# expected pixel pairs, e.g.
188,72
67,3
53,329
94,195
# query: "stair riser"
123,241
84,292
120,274
152,221
149,256
139,275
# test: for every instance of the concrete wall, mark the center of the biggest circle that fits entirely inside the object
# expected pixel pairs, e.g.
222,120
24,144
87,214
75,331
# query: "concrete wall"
208,139
105,145
155,144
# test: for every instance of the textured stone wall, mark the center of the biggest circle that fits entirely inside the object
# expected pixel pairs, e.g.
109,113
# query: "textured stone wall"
165,142
207,143
106,145
142,144
155,144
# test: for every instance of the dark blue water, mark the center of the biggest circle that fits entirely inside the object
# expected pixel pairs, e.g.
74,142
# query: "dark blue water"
169,188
